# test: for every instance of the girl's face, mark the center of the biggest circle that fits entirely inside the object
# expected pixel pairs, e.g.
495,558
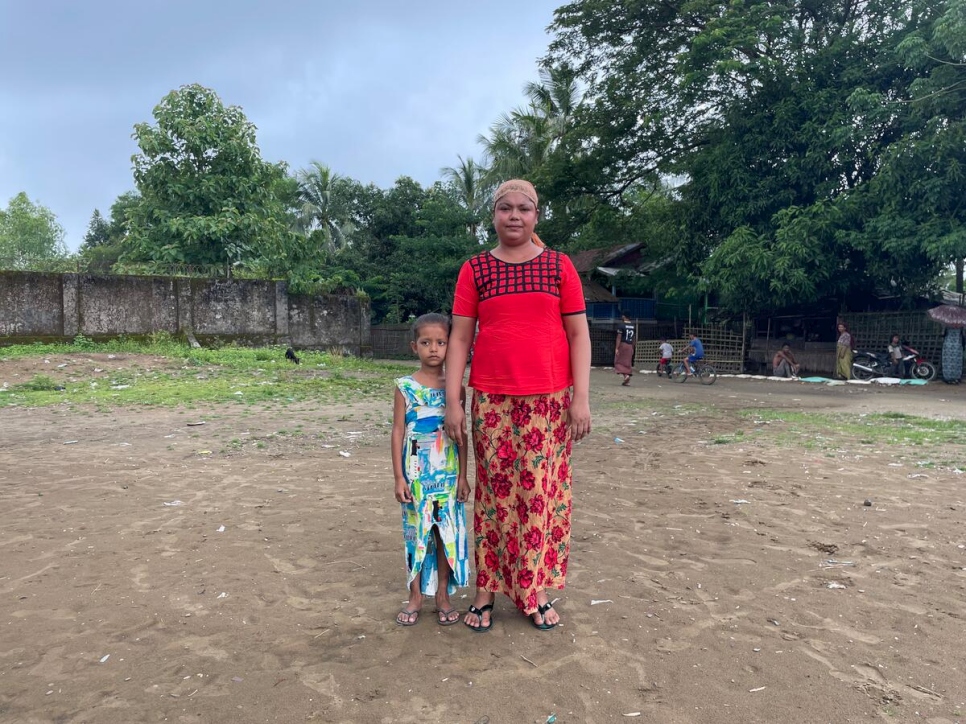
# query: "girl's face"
514,218
841,328
430,345
895,339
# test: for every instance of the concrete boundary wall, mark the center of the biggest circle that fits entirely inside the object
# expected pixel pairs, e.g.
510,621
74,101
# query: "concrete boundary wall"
58,307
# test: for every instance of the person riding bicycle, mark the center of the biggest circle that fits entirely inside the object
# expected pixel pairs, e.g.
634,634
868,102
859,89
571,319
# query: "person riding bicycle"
696,350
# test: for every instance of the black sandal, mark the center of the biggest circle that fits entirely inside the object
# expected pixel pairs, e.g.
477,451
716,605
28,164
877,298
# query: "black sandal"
478,612
542,610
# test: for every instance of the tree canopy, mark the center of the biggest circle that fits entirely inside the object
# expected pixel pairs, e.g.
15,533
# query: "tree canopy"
767,154
30,237
819,143
207,197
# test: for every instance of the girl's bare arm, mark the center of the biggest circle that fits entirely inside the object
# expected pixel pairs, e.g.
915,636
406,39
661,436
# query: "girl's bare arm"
403,493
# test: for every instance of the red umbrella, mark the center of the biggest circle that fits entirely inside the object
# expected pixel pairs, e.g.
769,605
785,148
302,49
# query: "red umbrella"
950,315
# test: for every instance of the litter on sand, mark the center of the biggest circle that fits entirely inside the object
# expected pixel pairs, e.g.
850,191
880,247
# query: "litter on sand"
595,601
345,453
221,529
174,503
618,440
105,658
760,688
195,424
741,501
833,585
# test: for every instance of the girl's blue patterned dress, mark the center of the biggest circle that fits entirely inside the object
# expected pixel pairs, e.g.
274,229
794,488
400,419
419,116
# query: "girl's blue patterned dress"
431,466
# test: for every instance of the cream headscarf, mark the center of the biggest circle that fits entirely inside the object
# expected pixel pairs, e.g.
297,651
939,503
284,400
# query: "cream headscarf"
521,187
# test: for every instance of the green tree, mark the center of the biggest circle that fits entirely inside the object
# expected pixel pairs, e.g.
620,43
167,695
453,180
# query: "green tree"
408,243
98,232
469,181
30,236
207,197
766,110
914,202
317,214
104,243
521,141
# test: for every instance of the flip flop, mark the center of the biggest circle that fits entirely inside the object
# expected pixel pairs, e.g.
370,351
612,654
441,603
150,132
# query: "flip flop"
542,610
409,615
443,617
478,612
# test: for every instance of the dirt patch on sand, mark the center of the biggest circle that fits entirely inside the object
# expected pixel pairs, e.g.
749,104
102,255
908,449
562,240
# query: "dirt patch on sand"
249,569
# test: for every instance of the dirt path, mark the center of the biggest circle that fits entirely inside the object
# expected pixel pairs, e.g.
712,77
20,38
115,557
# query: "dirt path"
248,569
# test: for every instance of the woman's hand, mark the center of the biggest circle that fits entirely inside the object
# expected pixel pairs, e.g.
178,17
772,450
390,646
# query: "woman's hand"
403,493
579,419
454,424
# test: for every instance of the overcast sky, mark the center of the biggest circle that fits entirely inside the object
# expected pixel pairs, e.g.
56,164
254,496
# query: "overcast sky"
376,89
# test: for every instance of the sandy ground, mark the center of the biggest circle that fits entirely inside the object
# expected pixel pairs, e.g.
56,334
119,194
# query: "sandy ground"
246,570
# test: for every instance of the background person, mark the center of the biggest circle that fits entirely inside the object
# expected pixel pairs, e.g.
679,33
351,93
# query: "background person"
624,351
843,352
664,364
783,363
530,403
696,352
896,353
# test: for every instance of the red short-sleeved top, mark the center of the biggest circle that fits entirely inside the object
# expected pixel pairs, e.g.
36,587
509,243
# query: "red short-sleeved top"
521,347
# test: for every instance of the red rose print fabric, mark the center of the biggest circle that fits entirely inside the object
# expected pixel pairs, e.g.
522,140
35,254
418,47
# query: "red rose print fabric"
523,493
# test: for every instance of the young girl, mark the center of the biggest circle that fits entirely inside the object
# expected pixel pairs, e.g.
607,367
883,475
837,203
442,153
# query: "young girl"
431,482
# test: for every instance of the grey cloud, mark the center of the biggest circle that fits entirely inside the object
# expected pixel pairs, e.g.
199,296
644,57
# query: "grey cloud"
374,88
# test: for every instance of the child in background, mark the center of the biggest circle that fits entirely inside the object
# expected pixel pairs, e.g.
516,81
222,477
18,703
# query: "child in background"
664,365
431,484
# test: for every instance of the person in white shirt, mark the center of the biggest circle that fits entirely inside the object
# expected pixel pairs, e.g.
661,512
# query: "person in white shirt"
664,365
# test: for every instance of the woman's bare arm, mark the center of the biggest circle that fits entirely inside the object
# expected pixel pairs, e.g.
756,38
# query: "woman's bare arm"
578,335
458,349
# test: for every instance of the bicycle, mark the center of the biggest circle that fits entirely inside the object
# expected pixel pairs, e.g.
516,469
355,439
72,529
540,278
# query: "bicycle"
705,373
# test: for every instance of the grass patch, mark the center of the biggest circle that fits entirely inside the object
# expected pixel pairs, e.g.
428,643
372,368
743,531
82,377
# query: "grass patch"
40,383
825,430
737,436
168,373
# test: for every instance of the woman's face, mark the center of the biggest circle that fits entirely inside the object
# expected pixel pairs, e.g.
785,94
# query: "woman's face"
514,218
841,328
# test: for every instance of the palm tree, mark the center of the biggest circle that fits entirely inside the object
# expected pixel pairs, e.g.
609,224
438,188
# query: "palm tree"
316,212
468,179
522,140
557,96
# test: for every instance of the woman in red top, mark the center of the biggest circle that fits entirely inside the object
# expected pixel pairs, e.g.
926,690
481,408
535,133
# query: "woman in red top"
531,380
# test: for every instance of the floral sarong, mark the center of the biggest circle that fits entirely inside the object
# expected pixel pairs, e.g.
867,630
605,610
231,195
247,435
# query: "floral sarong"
523,493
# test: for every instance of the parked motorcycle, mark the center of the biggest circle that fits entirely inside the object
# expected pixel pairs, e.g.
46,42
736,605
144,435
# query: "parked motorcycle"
919,367
866,365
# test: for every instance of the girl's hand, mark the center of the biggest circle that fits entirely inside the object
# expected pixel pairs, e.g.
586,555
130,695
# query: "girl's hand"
403,493
579,419
462,489
454,424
